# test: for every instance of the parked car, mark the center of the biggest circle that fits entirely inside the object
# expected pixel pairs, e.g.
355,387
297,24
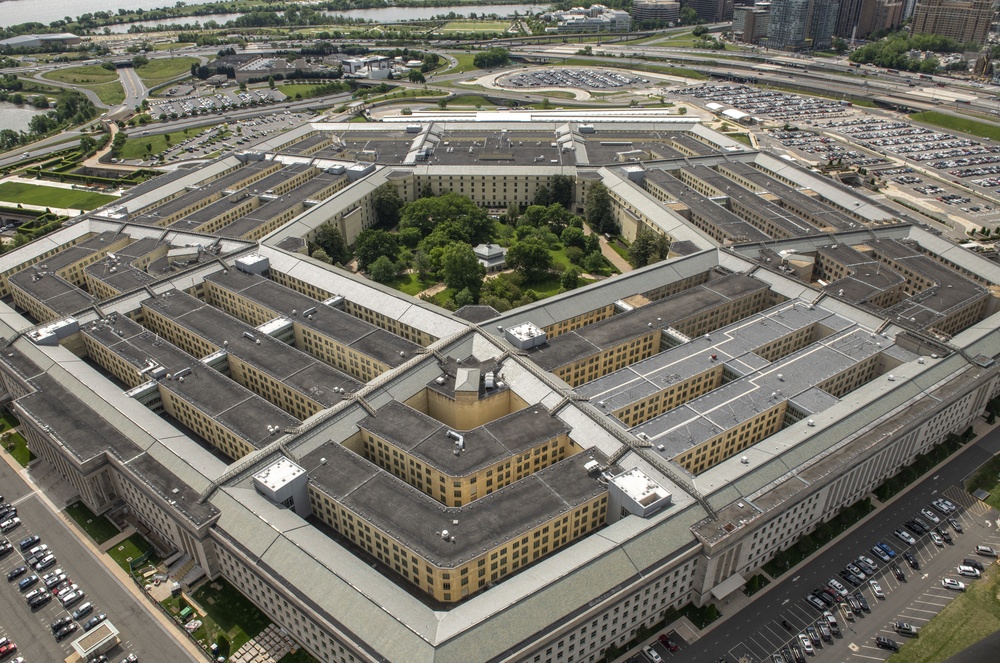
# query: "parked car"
27,542
72,598
968,571
806,643
911,560
9,525
66,631
936,538
850,578
867,564
955,525
16,572
886,643
943,533
856,570
974,563
652,655
986,551
905,629
83,611
824,630
949,583
45,562
876,589
930,515
816,602
904,536
59,623
6,548
898,572
27,581
837,587
881,554
813,635
97,619
40,600
862,601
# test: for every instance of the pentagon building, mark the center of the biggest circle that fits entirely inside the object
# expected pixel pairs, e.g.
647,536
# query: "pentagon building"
391,482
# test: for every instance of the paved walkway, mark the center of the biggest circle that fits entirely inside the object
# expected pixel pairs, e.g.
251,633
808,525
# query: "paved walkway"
124,580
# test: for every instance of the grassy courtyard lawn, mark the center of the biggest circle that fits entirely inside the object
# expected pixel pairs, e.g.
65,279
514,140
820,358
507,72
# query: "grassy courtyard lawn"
49,196
128,550
8,421
91,74
987,478
163,69
99,528
965,125
229,613
292,89
20,450
407,283
972,616
474,26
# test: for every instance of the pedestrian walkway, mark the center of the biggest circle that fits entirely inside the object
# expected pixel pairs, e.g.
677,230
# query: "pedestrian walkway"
117,539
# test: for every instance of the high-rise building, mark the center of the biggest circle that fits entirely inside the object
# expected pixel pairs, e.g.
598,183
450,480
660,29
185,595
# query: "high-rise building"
962,20
656,10
712,10
786,29
859,18
750,23
823,22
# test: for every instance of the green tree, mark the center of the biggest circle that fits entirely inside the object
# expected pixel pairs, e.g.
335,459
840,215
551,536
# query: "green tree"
87,144
382,270
598,209
329,239
322,256
700,31
572,237
647,248
490,58
424,267
270,82
461,270
374,243
594,262
416,76
563,190
542,196
839,45
386,203
688,16
471,221
529,257
139,61
570,278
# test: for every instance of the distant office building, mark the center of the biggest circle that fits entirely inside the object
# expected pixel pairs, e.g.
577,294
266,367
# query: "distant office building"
786,29
860,18
823,22
38,41
712,10
908,8
750,23
962,20
667,11
596,18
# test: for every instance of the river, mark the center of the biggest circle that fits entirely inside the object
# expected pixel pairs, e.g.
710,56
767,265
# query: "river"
45,11
17,117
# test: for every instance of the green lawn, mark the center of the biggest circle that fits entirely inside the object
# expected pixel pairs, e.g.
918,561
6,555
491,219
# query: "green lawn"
99,528
8,421
981,129
91,74
160,70
135,148
968,619
407,283
291,89
229,612
464,64
743,138
20,451
49,196
129,550
474,26
110,94
987,478
471,100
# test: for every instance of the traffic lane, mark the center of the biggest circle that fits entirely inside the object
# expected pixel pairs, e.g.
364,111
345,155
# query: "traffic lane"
101,587
756,616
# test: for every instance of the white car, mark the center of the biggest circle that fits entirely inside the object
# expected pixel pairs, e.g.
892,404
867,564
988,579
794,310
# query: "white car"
936,538
876,589
652,655
904,536
968,571
948,583
837,587
807,645
67,590
930,515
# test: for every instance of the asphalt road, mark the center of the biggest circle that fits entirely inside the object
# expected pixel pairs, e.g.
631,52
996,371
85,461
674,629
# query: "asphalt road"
139,632
757,629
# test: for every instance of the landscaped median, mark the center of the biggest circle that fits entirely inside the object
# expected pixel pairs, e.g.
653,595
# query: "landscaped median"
972,616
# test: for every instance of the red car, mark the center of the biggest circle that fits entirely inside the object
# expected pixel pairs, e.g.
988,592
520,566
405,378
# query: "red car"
7,649
668,643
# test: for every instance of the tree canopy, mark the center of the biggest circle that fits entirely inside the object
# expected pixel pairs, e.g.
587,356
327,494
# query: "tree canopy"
648,247
374,243
491,57
461,270
598,209
387,203
529,257
426,214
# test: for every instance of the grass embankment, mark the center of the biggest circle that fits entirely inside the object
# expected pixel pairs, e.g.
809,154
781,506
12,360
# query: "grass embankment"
48,196
967,620
965,125
162,70
103,82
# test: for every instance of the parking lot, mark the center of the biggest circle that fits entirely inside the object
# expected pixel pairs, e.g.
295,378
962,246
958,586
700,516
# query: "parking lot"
30,629
590,79
768,103
221,100
813,145
914,600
